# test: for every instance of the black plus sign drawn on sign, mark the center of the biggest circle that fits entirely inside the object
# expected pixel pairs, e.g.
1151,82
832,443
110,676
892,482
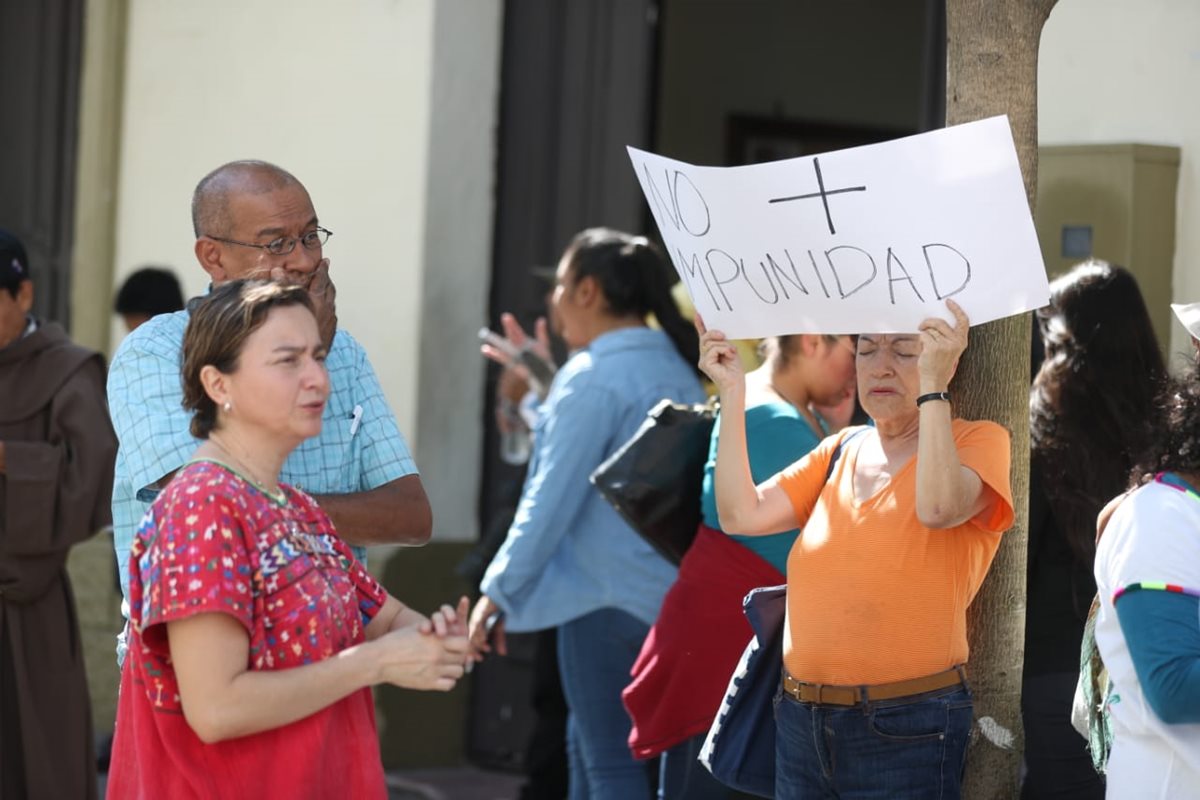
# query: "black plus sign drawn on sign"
823,194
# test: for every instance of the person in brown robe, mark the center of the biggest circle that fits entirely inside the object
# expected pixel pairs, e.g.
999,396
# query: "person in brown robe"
57,450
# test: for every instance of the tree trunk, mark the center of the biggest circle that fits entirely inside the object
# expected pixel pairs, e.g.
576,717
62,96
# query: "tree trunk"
991,55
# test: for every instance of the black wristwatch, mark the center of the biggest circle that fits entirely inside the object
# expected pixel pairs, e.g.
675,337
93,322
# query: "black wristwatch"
933,396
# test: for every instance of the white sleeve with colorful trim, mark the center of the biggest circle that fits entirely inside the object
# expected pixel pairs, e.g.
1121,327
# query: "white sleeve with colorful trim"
1151,543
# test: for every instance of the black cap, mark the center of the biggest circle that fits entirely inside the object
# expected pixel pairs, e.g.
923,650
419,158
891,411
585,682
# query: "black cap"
14,264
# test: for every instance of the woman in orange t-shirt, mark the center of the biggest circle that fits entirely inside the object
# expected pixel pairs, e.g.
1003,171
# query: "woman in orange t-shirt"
894,546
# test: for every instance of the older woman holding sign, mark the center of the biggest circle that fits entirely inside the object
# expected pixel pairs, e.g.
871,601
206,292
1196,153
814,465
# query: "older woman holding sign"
893,548
681,673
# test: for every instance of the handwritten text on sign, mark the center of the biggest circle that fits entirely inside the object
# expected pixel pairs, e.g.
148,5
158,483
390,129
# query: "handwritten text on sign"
870,239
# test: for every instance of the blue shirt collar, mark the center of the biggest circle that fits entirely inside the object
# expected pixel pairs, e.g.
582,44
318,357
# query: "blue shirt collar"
636,338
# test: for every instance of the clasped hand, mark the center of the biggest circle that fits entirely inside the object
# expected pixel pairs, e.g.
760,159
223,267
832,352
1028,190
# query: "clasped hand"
430,654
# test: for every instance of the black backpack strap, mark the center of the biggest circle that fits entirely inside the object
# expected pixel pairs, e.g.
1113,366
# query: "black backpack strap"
837,451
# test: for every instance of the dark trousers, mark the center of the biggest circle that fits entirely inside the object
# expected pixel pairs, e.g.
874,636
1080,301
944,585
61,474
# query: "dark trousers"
546,758
1057,762
681,776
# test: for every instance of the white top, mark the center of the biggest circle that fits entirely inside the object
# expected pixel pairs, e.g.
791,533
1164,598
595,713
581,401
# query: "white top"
1189,316
1152,539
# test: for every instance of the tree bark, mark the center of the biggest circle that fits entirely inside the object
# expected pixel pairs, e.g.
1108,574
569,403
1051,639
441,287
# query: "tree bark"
991,55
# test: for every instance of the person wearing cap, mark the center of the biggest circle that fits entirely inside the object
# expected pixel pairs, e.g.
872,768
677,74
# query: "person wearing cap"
253,219
1188,315
56,459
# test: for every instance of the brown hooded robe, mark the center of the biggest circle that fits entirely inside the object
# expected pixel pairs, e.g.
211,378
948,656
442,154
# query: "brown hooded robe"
56,491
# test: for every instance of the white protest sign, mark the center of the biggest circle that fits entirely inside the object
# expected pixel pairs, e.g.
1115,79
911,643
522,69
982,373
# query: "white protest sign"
866,240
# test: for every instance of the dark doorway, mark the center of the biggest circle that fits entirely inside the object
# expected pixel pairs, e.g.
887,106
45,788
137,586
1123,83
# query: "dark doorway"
40,45
576,80
582,79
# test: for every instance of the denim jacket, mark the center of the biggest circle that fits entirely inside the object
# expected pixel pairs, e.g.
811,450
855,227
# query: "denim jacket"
568,553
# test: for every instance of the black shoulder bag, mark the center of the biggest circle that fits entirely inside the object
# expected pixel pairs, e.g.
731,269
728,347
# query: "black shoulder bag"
654,480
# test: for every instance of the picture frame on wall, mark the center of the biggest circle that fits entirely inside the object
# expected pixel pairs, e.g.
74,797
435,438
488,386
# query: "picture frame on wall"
751,139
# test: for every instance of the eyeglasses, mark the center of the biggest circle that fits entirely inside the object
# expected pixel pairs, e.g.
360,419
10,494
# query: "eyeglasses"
285,244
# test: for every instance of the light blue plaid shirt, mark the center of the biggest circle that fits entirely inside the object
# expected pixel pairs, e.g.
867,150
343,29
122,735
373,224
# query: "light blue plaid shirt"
145,400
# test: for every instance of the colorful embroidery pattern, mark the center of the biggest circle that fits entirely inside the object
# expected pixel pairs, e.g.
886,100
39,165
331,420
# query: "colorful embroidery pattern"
1156,586
1174,482
212,542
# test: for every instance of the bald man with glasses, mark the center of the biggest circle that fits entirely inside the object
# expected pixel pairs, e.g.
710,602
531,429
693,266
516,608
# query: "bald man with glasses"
255,220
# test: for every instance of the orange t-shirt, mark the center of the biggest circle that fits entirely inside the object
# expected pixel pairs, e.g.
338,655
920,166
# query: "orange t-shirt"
873,595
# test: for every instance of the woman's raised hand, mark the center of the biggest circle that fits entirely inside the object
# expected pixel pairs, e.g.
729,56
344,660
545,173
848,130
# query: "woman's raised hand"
941,346
518,339
719,359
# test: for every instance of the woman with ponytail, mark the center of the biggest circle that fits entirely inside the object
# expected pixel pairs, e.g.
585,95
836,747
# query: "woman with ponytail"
569,561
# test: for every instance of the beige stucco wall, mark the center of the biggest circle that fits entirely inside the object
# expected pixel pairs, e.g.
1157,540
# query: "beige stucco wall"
1115,71
386,110
460,191
336,93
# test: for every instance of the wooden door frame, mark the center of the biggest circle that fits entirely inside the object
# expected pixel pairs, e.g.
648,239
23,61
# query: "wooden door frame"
40,53
576,87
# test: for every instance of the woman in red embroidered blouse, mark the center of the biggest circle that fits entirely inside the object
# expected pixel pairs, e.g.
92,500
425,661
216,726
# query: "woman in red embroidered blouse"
255,633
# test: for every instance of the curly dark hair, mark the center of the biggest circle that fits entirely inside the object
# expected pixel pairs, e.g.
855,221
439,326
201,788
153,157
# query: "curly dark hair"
1175,446
1093,406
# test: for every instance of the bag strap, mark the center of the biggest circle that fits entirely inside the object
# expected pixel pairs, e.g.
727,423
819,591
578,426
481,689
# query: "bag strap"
837,451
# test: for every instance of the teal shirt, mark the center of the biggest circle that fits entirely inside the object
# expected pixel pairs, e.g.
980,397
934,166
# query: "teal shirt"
777,436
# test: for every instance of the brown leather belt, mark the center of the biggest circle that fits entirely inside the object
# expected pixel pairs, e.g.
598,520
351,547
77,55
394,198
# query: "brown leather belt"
823,694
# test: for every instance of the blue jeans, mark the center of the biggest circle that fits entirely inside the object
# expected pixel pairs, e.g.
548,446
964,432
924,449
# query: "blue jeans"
595,655
887,749
682,777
